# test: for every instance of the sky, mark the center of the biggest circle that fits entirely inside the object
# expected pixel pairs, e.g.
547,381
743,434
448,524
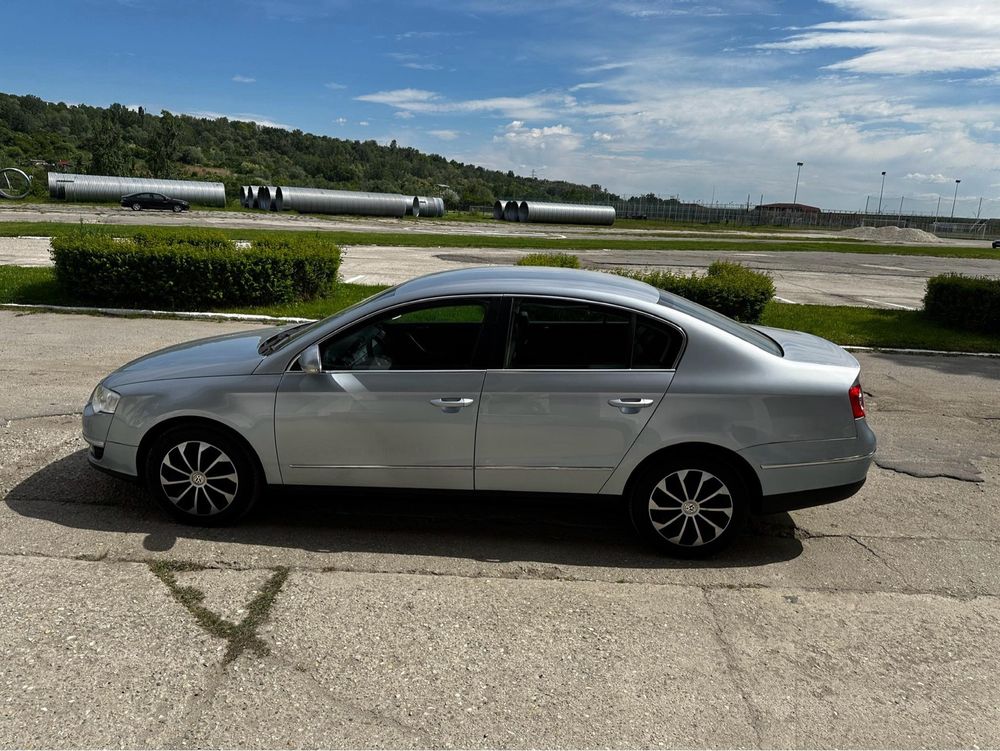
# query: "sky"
709,101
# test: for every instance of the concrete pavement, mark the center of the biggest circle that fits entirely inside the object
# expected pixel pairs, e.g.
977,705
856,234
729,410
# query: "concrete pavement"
454,622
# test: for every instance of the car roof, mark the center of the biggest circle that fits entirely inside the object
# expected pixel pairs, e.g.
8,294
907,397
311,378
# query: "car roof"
535,280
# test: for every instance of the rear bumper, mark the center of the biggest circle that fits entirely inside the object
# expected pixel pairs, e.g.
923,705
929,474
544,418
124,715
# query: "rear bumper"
773,504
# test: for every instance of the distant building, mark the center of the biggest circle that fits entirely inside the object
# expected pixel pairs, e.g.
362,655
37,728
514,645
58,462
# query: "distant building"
800,208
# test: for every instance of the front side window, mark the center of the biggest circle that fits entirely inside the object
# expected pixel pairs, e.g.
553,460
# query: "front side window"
437,336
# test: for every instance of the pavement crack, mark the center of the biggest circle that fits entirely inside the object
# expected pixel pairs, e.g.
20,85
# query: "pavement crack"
920,475
734,668
240,636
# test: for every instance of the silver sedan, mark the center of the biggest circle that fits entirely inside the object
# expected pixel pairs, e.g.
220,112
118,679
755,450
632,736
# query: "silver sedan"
529,380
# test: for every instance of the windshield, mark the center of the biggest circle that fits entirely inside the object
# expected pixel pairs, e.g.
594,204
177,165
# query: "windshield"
741,330
293,333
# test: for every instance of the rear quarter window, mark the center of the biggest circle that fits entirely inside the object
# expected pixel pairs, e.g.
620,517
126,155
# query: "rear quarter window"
707,315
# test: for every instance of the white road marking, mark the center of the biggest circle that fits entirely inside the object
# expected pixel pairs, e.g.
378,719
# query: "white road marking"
883,302
354,279
766,255
887,268
782,299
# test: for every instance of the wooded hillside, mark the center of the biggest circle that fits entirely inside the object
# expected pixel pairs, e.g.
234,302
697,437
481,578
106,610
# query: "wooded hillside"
121,141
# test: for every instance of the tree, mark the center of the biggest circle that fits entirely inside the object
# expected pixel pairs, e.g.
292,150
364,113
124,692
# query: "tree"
161,149
108,152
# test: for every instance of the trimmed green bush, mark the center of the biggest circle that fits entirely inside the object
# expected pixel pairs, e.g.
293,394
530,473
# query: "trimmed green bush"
729,288
188,268
560,260
965,302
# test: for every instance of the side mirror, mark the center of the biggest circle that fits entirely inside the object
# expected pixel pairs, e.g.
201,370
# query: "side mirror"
310,361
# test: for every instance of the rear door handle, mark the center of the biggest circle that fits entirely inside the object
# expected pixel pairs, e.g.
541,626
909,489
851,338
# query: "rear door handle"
452,404
630,405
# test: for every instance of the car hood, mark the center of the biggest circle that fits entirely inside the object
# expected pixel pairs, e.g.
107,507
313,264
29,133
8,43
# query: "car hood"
226,355
802,347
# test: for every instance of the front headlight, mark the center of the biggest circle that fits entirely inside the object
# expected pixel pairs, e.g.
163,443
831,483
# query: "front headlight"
104,400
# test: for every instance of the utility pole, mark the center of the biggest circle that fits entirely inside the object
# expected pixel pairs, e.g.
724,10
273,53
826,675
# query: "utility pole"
980,209
795,197
880,192
955,199
867,199
937,211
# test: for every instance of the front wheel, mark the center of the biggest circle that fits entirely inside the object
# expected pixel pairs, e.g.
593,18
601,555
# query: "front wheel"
689,508
178,209
202,477
136,207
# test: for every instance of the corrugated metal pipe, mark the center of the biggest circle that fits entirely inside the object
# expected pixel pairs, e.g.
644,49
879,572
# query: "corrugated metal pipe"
244,192
107,188
266,198
498,209
320,201
427,207
510,211
565,213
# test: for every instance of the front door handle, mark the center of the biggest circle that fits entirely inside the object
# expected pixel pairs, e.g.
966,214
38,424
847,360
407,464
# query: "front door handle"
630,405
452,404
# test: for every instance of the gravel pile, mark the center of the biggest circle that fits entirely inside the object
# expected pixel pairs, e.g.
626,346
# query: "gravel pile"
891,235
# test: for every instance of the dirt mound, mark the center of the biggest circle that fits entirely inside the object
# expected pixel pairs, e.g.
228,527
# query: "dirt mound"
890,235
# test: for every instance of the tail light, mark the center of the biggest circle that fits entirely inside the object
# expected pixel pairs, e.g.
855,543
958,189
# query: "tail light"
857,398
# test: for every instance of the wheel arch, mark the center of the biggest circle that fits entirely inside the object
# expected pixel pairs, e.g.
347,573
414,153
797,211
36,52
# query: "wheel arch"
191,421
702,450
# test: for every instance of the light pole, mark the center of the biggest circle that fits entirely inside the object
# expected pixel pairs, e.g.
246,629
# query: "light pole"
880,192
795,197
955,199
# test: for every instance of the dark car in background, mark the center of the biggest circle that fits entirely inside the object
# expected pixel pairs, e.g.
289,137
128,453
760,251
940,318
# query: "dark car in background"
139,201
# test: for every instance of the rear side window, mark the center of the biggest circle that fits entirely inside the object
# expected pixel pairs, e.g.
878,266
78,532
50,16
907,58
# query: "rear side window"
558,334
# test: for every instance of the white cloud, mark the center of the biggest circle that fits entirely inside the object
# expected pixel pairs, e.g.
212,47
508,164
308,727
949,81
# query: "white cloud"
363,123
244,79
445,135
935,178
532,106
914,36
243,117
598,135
334,86
341,121
403,114
423,66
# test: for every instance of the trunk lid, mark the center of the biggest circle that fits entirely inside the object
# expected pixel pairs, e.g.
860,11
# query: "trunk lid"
802,347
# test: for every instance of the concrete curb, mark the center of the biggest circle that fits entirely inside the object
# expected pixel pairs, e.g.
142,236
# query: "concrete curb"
142,313
243,317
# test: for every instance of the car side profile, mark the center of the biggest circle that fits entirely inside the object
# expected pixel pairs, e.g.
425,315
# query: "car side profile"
140,201
499,379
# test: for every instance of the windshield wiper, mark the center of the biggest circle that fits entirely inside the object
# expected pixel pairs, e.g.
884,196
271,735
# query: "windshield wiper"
268,346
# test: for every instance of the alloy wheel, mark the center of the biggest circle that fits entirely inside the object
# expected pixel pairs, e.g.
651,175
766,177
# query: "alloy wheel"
690,507
198,478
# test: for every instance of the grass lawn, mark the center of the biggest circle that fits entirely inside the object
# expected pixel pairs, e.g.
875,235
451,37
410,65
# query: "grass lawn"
342,237
869,327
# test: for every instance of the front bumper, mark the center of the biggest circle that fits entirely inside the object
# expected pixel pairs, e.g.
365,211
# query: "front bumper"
114,458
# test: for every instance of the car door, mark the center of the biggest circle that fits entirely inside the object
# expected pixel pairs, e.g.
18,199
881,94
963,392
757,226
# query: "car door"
580,380
160,201
396,402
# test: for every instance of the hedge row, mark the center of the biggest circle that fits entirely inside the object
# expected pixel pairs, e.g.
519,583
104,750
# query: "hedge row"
729,288
189,268
965,302
559,260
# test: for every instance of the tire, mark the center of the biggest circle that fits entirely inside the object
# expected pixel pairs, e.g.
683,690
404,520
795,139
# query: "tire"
689,507
201,476
178,209
136,207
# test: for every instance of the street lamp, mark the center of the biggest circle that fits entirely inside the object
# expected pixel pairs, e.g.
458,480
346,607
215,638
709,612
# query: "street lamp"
795,197
880,192
953,200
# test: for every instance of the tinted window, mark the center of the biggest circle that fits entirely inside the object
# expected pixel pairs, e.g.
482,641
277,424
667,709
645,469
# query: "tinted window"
656,344
718,320
431,337
562,334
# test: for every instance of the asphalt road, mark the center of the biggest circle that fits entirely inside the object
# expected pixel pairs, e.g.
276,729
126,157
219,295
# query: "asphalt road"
427,622
821,278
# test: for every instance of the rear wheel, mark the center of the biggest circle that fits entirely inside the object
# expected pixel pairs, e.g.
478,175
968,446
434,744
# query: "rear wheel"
689,507
201,476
